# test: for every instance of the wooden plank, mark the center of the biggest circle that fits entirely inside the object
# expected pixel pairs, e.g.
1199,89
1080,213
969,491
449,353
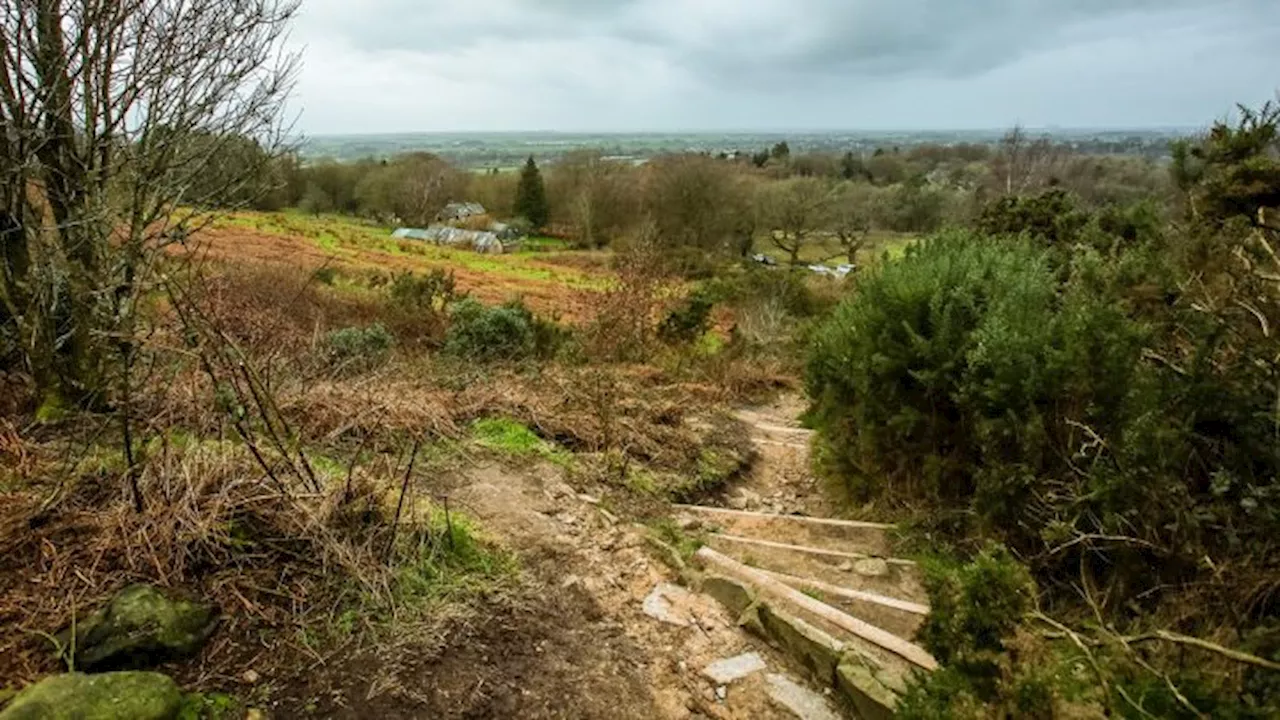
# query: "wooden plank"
849,594
811,550
782,430
766,585
802,519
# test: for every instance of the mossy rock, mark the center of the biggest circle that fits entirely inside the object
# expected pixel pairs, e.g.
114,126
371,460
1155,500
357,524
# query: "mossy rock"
110,696
141,627
810,646
872,694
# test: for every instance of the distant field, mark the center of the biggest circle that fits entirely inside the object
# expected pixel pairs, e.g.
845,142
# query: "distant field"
551,278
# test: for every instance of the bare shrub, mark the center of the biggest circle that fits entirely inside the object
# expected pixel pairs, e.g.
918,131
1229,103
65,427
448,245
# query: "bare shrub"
625,323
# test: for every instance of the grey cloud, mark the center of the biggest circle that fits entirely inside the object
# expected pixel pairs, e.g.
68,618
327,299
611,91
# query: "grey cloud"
874,37
712,63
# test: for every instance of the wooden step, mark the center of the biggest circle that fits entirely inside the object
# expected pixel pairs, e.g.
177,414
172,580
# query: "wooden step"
847,625
836,555
841,535
767,426
899,579
900,617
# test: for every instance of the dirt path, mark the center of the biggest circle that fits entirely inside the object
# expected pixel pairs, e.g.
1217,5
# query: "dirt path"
604,630
652,666
781,480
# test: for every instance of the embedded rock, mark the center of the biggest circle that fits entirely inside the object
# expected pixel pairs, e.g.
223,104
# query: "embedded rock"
110,696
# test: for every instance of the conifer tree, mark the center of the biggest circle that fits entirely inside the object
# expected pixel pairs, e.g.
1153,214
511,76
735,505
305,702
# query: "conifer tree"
531,196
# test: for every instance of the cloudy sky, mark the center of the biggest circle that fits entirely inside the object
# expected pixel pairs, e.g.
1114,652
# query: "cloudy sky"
630,65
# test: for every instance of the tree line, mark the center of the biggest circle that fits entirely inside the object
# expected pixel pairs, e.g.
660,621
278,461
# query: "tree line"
725,205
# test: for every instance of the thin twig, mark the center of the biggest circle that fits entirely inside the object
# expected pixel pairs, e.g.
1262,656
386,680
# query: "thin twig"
1237,655
404,489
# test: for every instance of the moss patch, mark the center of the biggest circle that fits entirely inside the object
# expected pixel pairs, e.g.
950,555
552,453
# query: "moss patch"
140,627
75,696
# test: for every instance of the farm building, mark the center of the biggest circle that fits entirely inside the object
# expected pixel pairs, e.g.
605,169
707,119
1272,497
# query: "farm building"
455,212
481,241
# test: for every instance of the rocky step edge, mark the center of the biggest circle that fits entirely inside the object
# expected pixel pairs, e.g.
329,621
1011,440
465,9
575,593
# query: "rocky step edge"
867,666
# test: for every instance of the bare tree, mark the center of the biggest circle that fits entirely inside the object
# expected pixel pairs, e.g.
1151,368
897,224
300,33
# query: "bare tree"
796,211
594,196
848,216
112,111
1029,163
412,188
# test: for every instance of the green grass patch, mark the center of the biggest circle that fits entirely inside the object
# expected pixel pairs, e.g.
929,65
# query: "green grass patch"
445,560
643,482
542,244
441,564
348,236
509,437
209,706
685,544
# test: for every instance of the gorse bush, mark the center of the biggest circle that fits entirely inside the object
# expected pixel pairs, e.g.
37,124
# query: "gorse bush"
1101,393
941,373
418,307
753,284
506,332
689,321
976,610
356,350
433,292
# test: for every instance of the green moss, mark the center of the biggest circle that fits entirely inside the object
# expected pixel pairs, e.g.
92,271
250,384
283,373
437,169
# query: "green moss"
111,696
53,408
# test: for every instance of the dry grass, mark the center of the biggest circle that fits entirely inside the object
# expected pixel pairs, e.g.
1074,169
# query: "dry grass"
238,523
280,562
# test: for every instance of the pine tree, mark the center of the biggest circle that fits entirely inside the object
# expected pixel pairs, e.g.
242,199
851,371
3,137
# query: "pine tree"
531,196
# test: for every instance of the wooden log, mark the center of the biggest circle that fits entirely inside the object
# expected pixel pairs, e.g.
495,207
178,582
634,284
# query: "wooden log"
768,586
849,594
811,550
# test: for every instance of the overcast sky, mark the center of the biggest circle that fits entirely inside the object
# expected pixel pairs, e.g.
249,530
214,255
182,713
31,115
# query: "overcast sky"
630,65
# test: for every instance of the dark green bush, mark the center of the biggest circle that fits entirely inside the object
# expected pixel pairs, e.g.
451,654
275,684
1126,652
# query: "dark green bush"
975,608
1053,217
433,292
1099,393
506,332
945,371
688,321
973,375
326,275
356,350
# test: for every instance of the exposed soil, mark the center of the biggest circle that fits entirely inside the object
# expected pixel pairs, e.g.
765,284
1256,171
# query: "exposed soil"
575,643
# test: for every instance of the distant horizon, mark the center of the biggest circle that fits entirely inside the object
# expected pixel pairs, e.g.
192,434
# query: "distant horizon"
776,131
